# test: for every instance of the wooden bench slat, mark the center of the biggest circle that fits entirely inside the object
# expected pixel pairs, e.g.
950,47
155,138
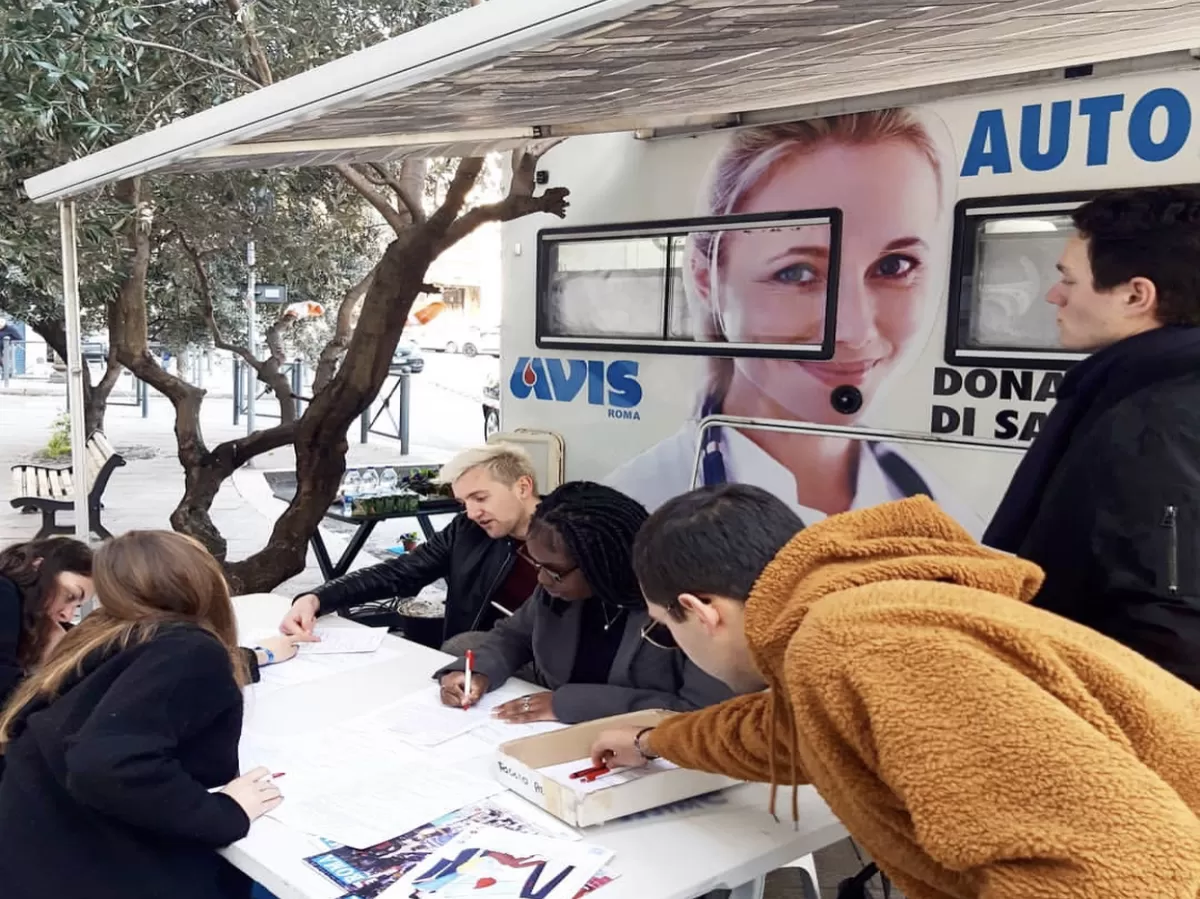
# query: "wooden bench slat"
48,489
102,444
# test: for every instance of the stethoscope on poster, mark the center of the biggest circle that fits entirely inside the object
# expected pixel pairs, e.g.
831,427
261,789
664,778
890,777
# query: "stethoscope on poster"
895,468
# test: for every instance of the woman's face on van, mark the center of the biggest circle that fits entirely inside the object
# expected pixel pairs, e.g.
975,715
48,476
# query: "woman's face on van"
774,284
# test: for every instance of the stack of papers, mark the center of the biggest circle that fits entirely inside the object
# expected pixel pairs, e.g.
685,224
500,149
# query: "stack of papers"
498,863
376,810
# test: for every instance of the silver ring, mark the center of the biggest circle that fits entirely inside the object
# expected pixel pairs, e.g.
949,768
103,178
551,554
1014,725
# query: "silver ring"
525,705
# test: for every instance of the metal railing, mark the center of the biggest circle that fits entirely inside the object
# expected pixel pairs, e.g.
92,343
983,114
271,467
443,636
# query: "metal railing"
298,376
866,435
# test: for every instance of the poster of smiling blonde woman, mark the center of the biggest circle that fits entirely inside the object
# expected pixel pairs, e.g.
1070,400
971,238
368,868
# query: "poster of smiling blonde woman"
883,272
889,175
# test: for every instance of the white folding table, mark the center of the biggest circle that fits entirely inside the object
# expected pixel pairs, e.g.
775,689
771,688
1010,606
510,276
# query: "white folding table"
727,840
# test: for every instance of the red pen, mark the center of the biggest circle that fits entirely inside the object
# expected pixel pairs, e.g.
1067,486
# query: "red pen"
467,679
280,774
590,773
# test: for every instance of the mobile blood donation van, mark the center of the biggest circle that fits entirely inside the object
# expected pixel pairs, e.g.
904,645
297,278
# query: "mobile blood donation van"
843,310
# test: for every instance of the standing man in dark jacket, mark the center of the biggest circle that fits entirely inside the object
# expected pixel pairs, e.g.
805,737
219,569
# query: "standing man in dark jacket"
1107,500
486,578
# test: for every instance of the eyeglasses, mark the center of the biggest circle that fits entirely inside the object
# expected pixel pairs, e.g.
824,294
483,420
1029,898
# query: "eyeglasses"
657,634
555,576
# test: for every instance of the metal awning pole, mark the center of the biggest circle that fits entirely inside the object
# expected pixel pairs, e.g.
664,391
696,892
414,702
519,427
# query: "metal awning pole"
70,282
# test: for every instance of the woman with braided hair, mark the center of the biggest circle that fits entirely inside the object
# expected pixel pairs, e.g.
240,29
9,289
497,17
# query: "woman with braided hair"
585,631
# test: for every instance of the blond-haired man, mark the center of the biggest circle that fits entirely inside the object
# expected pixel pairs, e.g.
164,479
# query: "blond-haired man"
477,553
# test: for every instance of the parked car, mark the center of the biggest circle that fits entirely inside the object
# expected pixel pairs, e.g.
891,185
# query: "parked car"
457,337
482,340
407,360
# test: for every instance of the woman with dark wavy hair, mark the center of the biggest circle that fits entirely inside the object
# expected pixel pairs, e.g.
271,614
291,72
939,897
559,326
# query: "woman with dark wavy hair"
42,584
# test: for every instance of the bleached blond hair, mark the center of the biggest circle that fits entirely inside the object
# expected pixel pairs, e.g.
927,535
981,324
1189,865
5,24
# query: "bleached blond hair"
506,462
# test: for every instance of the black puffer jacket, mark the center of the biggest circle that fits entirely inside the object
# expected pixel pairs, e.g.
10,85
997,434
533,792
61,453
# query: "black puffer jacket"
1115,509
473,564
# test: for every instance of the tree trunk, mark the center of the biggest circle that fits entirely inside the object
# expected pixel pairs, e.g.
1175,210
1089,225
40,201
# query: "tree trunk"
320,439
95,396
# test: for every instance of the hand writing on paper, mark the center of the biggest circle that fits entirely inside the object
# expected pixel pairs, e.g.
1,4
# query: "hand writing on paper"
452,689
302,618
534,707
617,748
255,792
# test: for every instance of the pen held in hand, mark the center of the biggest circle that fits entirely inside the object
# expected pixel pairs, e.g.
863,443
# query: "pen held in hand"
467,679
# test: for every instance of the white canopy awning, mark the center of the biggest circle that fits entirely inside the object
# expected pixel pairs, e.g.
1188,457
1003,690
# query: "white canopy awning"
510,71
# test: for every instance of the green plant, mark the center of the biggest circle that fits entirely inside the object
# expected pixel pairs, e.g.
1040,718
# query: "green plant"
59,446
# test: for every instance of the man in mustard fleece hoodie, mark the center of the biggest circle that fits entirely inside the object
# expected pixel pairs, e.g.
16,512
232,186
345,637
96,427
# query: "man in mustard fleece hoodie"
975,745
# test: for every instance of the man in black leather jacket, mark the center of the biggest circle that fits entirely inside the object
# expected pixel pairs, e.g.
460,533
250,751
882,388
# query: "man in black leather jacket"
476,553
1107,500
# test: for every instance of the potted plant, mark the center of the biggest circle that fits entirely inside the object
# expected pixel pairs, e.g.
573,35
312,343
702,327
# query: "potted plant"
409,541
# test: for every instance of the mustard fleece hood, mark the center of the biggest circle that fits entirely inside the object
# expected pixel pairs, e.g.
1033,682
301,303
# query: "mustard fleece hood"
907,540
910,539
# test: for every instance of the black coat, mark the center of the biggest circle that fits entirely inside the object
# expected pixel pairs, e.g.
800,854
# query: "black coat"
1115,510
473,564
107,789
12,604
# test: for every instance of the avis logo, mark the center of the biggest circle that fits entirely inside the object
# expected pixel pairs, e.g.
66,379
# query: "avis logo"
613,384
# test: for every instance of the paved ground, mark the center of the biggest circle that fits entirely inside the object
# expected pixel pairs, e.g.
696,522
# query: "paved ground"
445,418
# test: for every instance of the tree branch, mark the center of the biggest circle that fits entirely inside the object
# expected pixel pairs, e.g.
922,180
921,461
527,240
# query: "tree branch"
519,202
244,18
465,176
411,203
362,184
336,346
211,63
208,310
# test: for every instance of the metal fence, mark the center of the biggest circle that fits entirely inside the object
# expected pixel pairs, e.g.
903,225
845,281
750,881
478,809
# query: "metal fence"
393,407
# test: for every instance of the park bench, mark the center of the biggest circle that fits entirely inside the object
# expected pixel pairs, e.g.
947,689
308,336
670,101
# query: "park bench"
50,490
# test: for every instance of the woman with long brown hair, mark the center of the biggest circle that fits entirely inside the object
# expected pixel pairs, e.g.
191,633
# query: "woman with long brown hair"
122,747
42,585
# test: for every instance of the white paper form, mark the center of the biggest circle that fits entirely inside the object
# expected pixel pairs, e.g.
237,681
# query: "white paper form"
307,667
341,640
423,720
561,773
383,807
317,763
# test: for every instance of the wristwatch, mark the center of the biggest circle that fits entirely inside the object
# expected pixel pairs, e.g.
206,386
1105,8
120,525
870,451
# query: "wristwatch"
270,655
640,746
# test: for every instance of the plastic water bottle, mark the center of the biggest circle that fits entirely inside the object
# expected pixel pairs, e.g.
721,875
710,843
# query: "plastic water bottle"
370,482
351,484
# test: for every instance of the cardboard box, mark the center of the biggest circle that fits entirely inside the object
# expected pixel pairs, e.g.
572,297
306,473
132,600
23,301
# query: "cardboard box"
518,761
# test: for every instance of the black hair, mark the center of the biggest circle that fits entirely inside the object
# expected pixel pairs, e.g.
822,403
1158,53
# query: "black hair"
1148,232
35,580
713,541
596,525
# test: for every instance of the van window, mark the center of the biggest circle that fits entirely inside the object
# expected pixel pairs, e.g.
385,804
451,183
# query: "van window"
1004,265
730,286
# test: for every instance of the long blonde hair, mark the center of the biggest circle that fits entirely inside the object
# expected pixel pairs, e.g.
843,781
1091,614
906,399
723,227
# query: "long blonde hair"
144,580
752,155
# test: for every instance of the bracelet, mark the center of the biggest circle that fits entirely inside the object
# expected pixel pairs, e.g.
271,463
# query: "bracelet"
637,744
270,655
